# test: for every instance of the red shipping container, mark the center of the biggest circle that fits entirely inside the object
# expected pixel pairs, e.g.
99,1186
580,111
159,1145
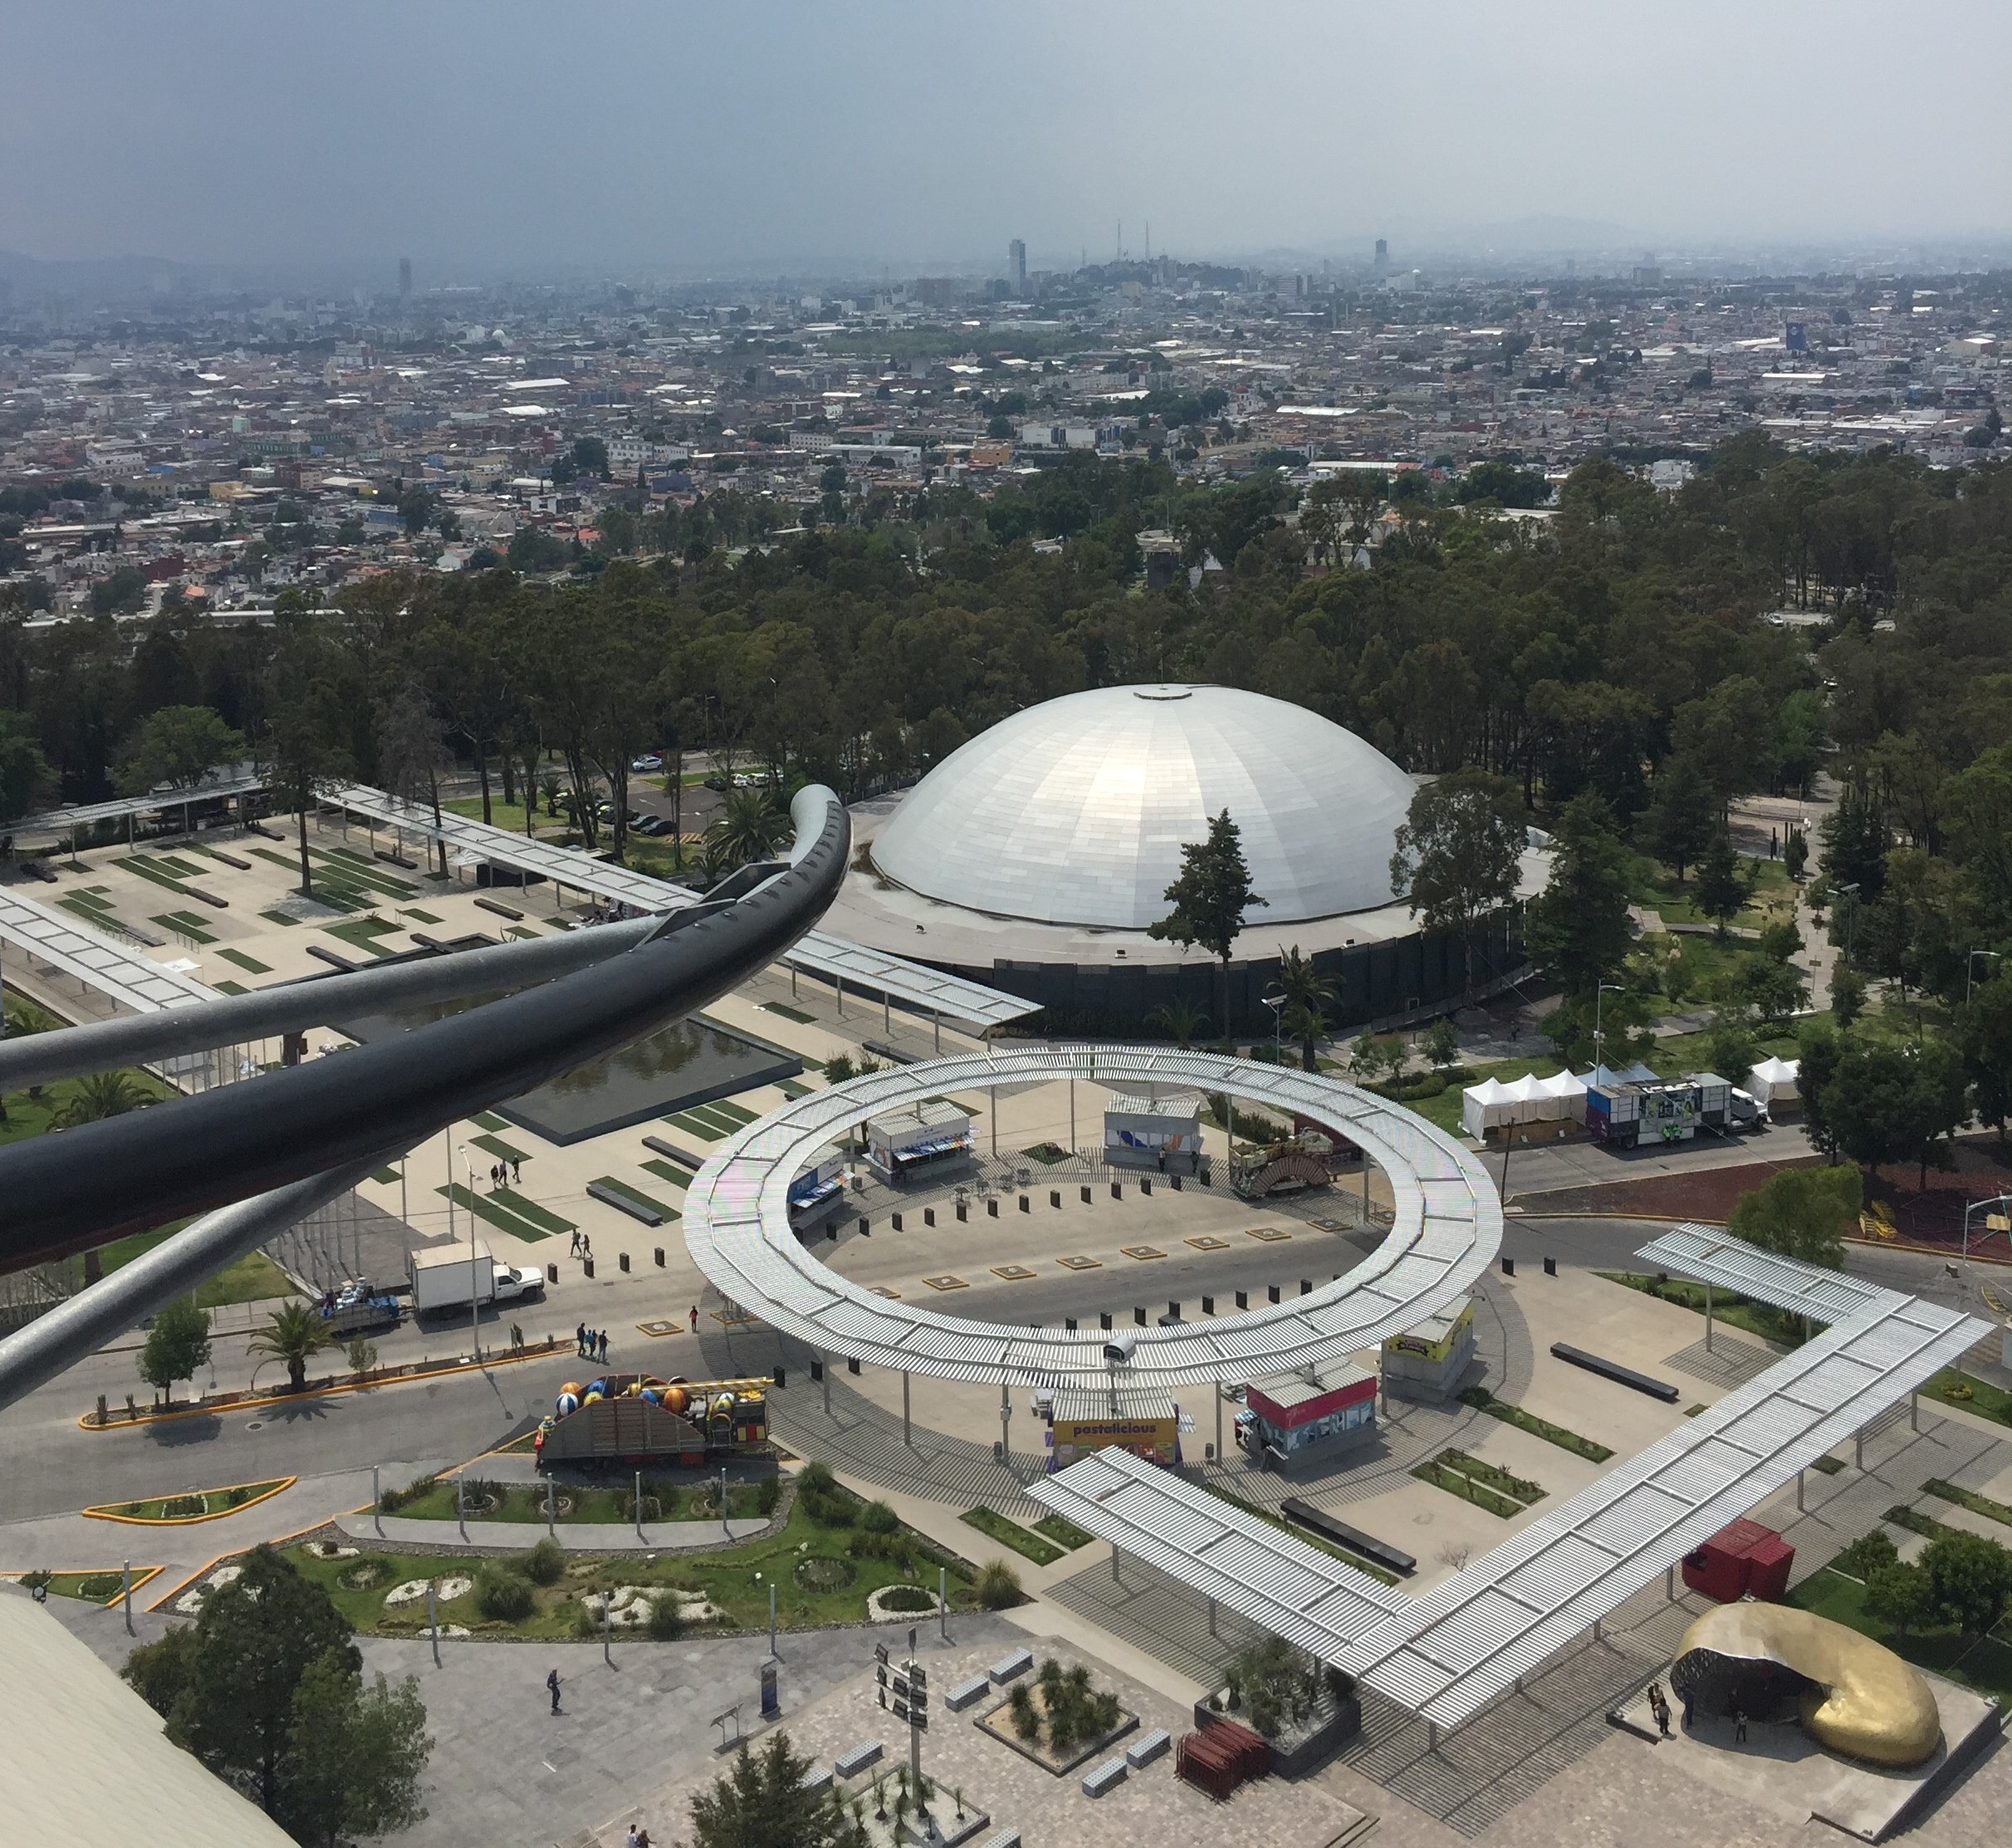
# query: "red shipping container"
1740,1558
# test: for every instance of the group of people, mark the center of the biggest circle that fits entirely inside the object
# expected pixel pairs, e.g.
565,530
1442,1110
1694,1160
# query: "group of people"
506,1173
591,1344
582,1246
1659,1709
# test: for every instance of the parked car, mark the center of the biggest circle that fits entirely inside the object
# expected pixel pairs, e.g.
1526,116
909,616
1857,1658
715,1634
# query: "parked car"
652,826
649,761
716,781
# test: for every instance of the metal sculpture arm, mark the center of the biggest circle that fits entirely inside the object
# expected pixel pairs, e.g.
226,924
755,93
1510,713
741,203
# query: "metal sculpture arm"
68,1192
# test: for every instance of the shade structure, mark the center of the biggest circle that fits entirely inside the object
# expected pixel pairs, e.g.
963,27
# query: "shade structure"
1774,1081
1482,1108
1075,811
1565,1096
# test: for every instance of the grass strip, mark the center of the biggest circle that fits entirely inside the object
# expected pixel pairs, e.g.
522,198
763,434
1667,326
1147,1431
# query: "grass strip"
489,1120
792,1091
1064,1532
1900,1515
386,1177
1009,1533
425,917
225,986
1971,1499
1972,1393
530,1210
1829,1466
250,964
706,1132
491,1208
1456,1483
796,1014
1482,1400
166,880
734,1113
279,918
168,921
1727,1307
666,1171
496,1146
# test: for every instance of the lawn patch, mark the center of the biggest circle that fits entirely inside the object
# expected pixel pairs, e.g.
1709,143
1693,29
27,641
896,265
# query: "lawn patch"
1010,1534
1064,1532
1971,1499
279,918
1482,1400
491,1209
1482,1483
788,1012
250,964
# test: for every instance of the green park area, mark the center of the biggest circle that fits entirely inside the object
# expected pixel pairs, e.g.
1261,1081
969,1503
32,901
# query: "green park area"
832,1552
572,1504
1946,1612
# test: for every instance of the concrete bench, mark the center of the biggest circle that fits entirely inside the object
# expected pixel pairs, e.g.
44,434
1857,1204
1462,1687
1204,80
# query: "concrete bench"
622,1202
1012,1667
817,1780
966,1692
850,1764
1142,1751
1108,1776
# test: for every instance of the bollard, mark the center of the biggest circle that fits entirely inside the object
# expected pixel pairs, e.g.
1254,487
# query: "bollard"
1274,1290
660,1257
1174,1180
1068,1324
551,1273
894,1220
1243,1299
852,1363
929,1215
1208,1306
1024,1206
1138,1316
1085,1191
621,1259
1550,1266
1509,1266
1174,1309
1118,1190
1145,1186
1306,1286
866,1226
991,1206
587,1265
1103,1320
782,1378
963,1212
1055,1196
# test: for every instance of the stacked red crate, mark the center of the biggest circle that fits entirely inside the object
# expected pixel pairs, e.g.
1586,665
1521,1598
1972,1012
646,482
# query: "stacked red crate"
1220,1758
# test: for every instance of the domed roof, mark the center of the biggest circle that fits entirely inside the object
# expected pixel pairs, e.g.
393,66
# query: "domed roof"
1075,811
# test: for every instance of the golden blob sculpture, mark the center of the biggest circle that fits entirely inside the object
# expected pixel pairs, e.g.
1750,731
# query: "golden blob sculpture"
1866,1703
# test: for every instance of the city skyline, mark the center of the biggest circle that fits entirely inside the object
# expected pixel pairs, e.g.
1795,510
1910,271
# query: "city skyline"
691,146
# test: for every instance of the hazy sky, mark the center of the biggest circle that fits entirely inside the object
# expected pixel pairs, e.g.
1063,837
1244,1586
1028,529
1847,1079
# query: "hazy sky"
483,137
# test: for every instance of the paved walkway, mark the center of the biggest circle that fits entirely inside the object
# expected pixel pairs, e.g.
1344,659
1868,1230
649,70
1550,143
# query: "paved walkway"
578,1536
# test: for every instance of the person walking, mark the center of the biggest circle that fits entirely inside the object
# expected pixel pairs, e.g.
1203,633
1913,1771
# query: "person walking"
517,1171
573,1250
1738,1723
694,1318
604,1347
579,1339
551,1683
1660,1708
586,1245
1690,1706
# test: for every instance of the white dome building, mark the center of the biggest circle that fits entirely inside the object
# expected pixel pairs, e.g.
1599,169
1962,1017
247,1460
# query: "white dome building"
1075,812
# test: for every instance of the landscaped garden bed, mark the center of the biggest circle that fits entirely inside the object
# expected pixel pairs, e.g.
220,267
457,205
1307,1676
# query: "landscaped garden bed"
690,1497
1060,1719
202,1504
1009,1533
1302,1709
1482,1400
1482,1483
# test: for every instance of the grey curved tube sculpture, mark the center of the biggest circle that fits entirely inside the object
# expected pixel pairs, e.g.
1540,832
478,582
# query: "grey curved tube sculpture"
68,1192
315,1001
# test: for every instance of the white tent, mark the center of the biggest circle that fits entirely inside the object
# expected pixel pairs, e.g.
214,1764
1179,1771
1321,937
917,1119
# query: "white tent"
1604,1077
1482,1109
1565,1095
1774,1080
1525,1099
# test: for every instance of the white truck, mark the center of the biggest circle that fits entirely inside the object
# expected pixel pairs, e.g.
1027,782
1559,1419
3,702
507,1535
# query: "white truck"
455,1276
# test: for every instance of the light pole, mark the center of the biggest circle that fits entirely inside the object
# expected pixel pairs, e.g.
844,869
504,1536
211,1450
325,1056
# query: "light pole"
1599,999
475,1335
1276,1003
1969,970
1851,917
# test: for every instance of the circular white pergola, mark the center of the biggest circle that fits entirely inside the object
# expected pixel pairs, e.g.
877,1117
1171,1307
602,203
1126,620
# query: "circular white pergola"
1448,1230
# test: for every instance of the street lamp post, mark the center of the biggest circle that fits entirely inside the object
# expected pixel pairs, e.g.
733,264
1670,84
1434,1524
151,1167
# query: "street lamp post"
475,1336
1851,917
1599,1000
1970,969
1276,1003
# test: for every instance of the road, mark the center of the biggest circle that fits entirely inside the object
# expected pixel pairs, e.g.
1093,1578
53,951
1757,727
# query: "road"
54,1466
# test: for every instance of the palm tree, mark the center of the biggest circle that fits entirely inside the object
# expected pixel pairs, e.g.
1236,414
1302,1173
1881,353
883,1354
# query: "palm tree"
293,1334
1306,990
748,828
1180,1023
98,1095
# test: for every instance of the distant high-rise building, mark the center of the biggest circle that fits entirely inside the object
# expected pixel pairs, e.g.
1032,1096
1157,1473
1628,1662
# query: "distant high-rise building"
1382,257
1016,265
404,276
